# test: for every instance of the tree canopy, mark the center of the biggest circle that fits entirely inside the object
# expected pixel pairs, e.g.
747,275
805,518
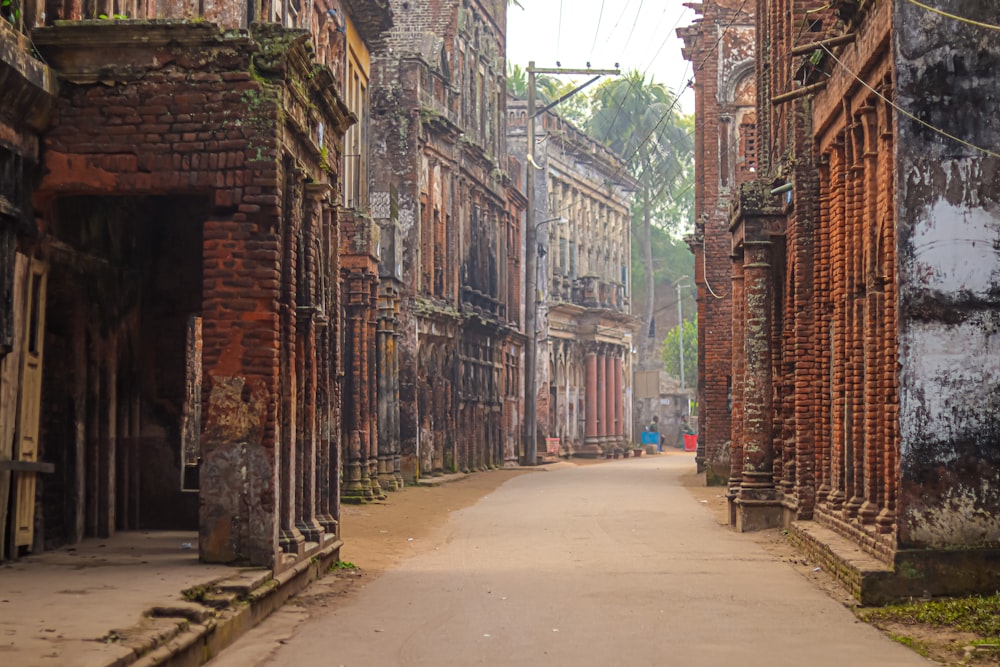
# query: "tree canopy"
670,352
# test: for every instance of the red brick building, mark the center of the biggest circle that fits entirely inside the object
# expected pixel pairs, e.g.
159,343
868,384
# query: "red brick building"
177,305
720,46
451,239
864,287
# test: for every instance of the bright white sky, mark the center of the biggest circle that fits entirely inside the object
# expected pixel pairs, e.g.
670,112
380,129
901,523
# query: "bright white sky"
637,34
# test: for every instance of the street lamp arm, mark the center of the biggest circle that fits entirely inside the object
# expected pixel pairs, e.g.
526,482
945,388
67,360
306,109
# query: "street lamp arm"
560,220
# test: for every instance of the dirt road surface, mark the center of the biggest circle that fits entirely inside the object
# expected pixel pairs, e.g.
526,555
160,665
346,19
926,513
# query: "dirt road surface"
611,564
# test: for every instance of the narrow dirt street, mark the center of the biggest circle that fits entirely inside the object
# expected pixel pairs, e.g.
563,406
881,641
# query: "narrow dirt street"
611,564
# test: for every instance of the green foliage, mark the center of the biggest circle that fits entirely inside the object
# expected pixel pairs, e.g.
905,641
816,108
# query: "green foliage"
671,345
517,81
10,11
914,645
640,120
977,614
672,259
343,565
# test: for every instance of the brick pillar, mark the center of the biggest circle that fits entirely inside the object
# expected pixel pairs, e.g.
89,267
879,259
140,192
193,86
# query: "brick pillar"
886,520
368,386
619,399
357,485
591,439
310,269
611,430
291,539
838,253
237,519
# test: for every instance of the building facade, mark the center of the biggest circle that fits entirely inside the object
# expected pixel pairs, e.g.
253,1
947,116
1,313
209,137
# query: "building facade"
450,236
720,45
864,265
177,303
585,329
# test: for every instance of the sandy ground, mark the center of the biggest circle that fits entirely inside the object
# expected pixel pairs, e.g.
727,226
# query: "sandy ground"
379,534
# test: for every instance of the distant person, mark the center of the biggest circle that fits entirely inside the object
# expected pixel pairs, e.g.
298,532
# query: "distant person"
684,430
654,427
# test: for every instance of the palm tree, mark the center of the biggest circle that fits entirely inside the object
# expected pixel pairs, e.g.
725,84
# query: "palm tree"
639,120
517,81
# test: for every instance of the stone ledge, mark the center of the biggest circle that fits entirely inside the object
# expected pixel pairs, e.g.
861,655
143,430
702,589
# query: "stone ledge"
855,569
192,644
441,479
913,572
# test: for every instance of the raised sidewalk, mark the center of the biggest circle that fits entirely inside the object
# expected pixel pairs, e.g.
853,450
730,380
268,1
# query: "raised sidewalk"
138,598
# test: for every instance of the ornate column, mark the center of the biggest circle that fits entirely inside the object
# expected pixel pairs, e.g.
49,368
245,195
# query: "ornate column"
758,501
736,389
357,485
368,387
387,380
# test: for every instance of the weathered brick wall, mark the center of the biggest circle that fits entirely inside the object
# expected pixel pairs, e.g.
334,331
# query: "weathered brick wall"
840,249
720,46
947,197
212,116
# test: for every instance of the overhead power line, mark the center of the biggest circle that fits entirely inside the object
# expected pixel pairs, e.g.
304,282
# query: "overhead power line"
638,13
700,66
615,26
597,30
909,115
956,17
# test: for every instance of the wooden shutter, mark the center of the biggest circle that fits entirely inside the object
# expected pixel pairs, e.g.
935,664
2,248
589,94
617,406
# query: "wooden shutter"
30,403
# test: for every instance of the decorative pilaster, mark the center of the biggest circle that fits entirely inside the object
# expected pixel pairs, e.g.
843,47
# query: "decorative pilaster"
368,387
290,539
309,313
357,484
387,400
757,503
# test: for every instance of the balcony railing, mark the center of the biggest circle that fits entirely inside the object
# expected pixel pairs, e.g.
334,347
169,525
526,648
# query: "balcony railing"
590,292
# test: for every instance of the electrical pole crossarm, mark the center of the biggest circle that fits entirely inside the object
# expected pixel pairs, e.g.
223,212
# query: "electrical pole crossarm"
564,70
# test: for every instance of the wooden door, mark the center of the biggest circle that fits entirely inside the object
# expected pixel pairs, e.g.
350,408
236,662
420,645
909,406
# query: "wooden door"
30,404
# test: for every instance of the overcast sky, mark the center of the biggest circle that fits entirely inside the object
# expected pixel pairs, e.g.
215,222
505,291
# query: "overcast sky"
637,34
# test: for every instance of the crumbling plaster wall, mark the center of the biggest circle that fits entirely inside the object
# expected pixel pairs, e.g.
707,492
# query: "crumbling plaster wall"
949,267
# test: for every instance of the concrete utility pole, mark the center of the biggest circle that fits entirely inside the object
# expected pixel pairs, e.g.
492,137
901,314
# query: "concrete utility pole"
680,330
531,258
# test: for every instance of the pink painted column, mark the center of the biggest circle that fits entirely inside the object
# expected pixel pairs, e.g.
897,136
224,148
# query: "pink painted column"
591,398
619,399
611,429
602,404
